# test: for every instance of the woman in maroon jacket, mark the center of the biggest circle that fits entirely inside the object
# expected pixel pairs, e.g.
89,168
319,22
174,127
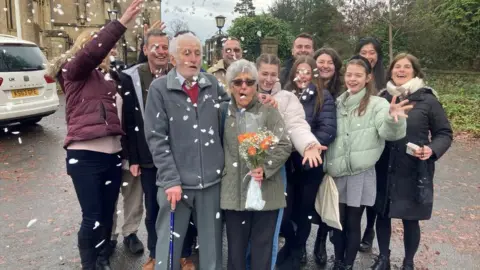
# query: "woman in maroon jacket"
94,127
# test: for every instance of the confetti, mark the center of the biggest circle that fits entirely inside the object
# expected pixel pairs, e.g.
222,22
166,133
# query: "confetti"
211,132
218,171
243,222
118,212
31,222
72,161
235,164
119,164
185,197
99,244
207,144
185,117
218,215
285,193
216,105
108,183
203,130
96,225
270,162
125,184
176,234
195,126
259,33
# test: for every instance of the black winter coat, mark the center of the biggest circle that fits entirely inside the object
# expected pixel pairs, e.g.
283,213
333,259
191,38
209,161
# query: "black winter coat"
404,182
137,148
285,72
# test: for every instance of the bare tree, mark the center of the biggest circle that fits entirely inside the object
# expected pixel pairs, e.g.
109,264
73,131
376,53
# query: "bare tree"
176,26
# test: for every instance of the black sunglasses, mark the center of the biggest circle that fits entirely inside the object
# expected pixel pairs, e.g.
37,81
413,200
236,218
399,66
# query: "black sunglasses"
239,82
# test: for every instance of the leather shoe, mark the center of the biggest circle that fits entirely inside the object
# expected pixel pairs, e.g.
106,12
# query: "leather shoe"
367,240
133,244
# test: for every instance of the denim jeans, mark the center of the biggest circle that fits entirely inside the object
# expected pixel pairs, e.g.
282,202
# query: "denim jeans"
277,227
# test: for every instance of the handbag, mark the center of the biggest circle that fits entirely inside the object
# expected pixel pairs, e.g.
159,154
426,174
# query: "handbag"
326,203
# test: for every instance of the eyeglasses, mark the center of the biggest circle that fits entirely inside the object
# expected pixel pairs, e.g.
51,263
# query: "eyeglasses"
239,82
235,50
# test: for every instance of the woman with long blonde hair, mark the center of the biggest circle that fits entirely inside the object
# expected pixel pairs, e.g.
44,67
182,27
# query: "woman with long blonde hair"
94,131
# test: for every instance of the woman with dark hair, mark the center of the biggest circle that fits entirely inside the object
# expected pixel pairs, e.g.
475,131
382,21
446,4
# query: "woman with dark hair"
405,179
329,65
303,182
371,49
364,122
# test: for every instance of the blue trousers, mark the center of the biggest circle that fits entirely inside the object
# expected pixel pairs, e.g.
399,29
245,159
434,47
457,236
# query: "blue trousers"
277,227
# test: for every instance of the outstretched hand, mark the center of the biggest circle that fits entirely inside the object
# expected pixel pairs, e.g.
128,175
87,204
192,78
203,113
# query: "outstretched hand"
131,12
156,25
314,155
399,109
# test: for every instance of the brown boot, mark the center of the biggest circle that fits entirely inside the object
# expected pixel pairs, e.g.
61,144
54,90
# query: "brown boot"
150,264
187,264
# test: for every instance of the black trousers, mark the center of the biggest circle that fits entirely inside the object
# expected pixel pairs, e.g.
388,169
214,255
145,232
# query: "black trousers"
97,178
149,185
347,241
256,227
302,188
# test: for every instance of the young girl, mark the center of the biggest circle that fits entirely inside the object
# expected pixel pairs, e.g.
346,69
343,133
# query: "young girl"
371,49
329,65
364,122
302,182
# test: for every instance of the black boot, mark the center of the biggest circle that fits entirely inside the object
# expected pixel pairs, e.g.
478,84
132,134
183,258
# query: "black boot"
284,253
337,265
133,244
103,259
382,262
303,255
407,265
88,254
297,255
367,240
320,249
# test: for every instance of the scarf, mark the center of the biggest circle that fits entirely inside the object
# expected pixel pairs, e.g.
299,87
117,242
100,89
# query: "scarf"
408,88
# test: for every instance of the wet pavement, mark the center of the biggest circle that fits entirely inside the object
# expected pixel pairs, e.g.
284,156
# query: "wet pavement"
34,185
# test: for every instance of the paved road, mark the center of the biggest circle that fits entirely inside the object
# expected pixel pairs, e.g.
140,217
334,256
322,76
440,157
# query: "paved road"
34,185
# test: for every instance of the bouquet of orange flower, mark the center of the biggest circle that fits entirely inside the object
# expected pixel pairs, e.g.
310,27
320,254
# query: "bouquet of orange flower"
253,147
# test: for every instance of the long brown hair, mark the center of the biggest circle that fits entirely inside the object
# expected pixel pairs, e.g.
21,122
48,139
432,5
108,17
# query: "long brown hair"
292,86
334,85
370,86
417,68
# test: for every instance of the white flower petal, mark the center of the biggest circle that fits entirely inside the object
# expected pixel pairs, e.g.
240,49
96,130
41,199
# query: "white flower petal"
31,222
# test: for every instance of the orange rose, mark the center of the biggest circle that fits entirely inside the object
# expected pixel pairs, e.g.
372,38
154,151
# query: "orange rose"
252,151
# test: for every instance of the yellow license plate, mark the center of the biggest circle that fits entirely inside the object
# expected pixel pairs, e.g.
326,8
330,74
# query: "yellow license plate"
25,93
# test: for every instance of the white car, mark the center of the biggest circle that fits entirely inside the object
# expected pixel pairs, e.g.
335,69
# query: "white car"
27,94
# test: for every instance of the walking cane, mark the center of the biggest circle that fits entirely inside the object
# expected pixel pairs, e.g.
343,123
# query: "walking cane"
172,228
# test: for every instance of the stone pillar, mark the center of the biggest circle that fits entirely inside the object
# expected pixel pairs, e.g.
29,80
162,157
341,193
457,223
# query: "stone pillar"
269,45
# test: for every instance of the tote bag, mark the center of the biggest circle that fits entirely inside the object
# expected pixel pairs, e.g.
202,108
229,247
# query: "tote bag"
326,203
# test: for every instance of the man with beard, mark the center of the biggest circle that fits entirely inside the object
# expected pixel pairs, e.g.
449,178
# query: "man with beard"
231,51
302,45
135,83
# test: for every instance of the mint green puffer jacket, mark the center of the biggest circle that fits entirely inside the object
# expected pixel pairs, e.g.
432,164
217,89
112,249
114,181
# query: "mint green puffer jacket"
361,139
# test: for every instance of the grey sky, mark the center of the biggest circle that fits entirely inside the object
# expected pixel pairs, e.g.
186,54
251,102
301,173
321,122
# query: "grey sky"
200,14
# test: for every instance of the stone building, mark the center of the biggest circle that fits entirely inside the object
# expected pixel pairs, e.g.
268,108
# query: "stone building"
54,24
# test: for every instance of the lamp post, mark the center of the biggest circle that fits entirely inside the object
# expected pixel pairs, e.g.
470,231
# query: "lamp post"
113,15
220,20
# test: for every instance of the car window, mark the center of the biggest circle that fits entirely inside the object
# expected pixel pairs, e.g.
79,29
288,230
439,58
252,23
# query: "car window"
20,57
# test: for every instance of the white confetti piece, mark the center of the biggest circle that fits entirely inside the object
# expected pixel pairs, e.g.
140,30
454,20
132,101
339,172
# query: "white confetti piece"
243,222
125,184
99,244
212,141
185,117
235,164
211,132
218,215
20,140
119,164
309,217
259,33
207,144
31,222
108,183
285,194
195,126
189,100
158,114
216,105
203,130
270,162
136,129
242,38
196,140
119,212
72,161
96,225
176,234
171,119
219,171
197,247
185,197
5,130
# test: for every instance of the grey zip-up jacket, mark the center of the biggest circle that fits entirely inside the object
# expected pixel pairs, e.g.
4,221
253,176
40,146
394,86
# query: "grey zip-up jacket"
184,137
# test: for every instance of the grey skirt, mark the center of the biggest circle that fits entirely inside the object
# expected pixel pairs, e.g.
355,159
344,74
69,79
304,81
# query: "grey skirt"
358,189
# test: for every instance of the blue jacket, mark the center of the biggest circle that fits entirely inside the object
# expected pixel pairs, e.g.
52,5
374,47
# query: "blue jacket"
323,122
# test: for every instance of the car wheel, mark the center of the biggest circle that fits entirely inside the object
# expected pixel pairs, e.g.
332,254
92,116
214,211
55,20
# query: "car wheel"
31,121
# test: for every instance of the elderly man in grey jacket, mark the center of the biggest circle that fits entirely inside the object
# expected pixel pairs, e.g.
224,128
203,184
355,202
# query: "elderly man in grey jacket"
182,131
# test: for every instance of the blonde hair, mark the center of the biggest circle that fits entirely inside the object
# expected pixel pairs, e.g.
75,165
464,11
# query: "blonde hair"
82,39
